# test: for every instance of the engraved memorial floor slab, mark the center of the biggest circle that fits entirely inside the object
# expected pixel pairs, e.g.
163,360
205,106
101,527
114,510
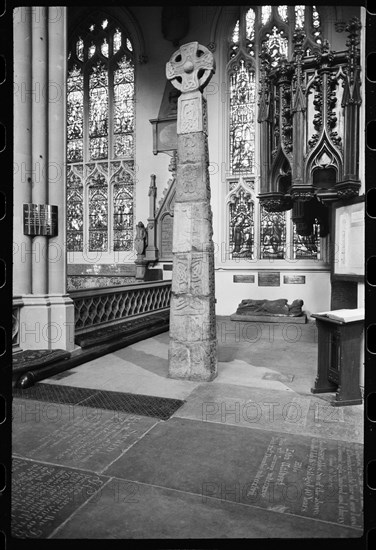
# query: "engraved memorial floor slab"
43,496
279,411
74,436
304,476
127,510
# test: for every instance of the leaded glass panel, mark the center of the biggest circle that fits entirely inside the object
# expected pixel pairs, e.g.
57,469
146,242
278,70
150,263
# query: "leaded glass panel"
307,247
299,17
80,49
235,33
123,213
129,45
91,50
75,102
74,211
98,217
242,118
273,234
117,41
104,48
241,210
250,24
316,25
282,11
98,111
265,14
123,146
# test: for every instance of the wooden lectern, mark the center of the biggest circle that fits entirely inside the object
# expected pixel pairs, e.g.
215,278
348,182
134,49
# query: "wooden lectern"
338,368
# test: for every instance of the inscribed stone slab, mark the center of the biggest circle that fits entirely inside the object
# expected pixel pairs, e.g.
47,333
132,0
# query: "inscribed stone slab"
304,476
127,510
72,435
43,496
275,410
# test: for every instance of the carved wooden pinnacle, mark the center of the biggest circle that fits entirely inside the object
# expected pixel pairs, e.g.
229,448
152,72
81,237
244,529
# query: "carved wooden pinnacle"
191,67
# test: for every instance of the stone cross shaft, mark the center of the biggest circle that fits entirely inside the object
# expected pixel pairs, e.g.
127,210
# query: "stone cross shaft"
193,341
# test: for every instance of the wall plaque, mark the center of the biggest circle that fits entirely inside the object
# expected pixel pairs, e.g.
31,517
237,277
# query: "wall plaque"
269,279
40,219
166,236
243,278
294,279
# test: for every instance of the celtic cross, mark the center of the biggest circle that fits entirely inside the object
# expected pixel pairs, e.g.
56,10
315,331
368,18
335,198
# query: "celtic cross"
191,67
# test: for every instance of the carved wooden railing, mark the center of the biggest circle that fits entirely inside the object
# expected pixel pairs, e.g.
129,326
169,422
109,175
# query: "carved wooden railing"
94,308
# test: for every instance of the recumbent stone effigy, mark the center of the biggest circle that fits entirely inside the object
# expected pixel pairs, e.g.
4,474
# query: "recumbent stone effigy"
193,341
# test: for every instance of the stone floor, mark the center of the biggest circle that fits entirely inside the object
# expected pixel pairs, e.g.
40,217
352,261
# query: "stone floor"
253,454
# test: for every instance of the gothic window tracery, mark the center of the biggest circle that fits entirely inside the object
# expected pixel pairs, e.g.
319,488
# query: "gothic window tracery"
100,134
268,30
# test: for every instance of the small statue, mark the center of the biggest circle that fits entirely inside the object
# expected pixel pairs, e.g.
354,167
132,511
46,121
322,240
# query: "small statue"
140,240
270,307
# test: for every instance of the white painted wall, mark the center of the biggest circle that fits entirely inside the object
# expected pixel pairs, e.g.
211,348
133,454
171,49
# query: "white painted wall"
315,293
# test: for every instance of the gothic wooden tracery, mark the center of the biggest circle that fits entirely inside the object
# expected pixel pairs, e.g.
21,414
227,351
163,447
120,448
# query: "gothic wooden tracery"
100,138
308,101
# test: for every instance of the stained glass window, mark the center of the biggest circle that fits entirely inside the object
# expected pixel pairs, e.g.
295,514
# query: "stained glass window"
307,247
98,111
241,225
75,107
282,11
250,30
273,234
75,209
100,141
123,211
316,24
242,118
80,49
117,40
98,208
299,17
253,30
265,14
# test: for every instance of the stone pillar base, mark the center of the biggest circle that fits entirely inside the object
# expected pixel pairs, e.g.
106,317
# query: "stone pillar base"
193,361
141,266
46,322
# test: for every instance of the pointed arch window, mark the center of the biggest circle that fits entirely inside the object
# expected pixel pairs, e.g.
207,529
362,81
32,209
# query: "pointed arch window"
260,29
100,138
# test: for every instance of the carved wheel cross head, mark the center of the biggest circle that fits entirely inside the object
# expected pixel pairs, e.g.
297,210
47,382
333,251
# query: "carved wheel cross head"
191,67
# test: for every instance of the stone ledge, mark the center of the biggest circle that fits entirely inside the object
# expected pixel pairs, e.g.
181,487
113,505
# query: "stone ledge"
302,319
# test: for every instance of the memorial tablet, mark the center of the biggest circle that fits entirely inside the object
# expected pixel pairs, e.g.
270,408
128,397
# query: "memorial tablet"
40,219
243,279
294,279
269,279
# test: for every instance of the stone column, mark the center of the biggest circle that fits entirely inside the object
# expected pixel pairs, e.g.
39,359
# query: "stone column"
62,308
193,342
21,148
39,134
46,318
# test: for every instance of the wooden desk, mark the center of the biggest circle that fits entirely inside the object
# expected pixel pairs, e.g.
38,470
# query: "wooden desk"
338,365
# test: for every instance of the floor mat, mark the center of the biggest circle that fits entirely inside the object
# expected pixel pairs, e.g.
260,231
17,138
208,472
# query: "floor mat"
144,405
